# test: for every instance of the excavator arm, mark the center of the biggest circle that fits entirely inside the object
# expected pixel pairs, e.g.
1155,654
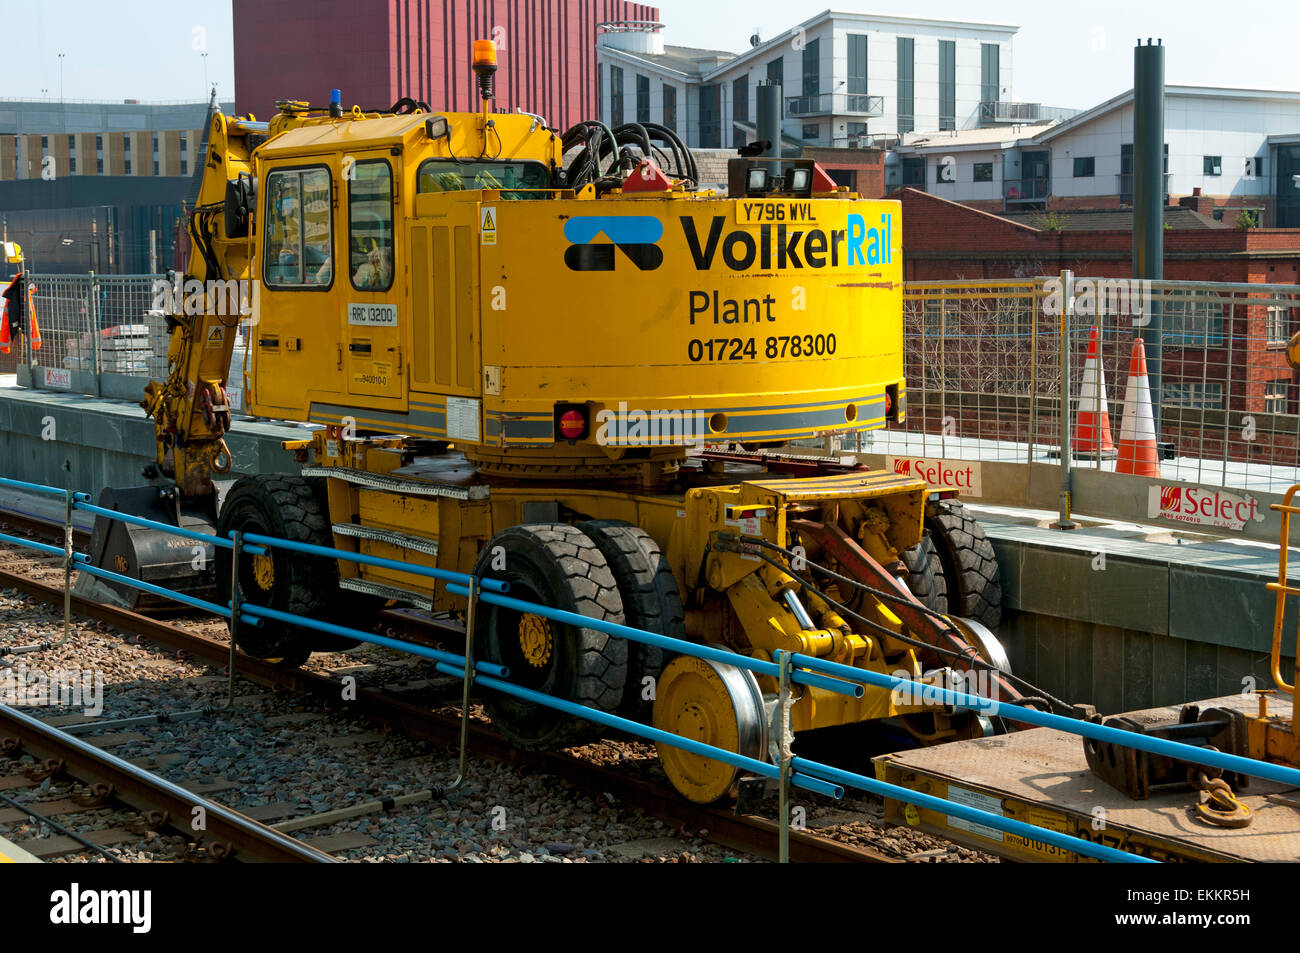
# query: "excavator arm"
190,409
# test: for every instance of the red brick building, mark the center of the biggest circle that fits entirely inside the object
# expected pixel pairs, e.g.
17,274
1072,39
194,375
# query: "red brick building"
377,51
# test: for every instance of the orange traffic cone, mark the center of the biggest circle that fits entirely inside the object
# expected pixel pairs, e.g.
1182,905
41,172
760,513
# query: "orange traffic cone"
1137,433
1092,432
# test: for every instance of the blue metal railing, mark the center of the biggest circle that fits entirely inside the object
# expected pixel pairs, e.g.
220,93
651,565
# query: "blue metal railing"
800,669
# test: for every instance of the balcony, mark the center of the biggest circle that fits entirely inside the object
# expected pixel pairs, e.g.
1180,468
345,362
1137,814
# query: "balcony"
996,113
1026,193
1126,188
835,104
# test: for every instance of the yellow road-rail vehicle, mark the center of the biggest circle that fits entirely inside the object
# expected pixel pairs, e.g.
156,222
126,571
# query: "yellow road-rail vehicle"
554,359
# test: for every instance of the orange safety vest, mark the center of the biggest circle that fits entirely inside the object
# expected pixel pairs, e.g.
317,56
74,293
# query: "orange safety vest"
34,329
4,327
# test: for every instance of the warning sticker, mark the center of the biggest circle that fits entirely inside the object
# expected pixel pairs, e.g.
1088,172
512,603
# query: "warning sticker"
488,225
463,419
981,802
216,337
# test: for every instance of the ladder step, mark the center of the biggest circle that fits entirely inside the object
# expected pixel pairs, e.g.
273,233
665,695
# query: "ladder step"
411,543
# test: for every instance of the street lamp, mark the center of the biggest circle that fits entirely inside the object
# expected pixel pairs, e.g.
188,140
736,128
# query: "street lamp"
61,56
205,74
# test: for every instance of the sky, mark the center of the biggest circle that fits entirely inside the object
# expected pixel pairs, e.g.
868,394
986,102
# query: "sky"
1073,55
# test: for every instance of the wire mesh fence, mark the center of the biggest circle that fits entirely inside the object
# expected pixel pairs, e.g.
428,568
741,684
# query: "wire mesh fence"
985,363
100,324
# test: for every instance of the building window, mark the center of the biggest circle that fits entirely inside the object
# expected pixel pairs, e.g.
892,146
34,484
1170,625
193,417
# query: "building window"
642,98
857,135
776,71
812,69
72,155
947,85
616,96
914,172
857,64
740,105
99,155
990,72
185,162
811,131
1213,165
848,178
299,229
1192,320
983,171
906,85
370,226
1196,396
1085,167
1277,325
670,107
1275,396
155,153
710,117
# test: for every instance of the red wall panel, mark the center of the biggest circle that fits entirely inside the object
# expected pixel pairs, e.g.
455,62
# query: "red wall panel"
379,50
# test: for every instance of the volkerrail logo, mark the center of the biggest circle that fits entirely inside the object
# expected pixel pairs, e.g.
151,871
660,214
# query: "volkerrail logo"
1202,507
636,236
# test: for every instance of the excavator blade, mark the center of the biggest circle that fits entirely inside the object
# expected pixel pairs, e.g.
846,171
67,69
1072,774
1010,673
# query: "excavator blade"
152,555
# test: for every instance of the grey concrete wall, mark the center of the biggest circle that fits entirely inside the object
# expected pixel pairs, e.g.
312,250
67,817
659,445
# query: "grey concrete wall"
104,443
1141,633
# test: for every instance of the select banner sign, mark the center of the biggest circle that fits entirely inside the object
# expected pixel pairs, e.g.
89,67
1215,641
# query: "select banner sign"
962,475
1202,507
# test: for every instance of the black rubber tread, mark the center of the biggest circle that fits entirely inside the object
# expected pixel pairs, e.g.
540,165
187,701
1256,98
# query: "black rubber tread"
925,576
561,567
287,507
651,601
970,566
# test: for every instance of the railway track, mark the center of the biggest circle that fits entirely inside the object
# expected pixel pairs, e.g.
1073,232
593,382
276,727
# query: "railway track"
749,833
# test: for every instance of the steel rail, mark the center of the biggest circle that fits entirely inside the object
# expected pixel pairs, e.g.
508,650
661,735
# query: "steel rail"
751,834
226,832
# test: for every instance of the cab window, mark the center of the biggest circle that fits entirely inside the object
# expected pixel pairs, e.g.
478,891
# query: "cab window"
299,230
515,180
370,226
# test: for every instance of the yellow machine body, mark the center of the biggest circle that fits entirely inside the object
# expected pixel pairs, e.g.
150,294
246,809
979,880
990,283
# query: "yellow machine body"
670,318
485,351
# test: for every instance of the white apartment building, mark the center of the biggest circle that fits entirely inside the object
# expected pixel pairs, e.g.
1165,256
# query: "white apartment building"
848,79
1232,147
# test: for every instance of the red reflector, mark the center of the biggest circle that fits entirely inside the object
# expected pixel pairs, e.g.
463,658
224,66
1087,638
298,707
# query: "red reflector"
889,404
573,424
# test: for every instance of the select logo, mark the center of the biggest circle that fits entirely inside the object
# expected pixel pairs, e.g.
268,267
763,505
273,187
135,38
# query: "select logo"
636,236
74,907
1201,507
962,475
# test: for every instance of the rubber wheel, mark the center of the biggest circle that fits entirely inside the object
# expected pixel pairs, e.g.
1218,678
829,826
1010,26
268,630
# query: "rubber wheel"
560,567
970,566
925,576
287,507
651,601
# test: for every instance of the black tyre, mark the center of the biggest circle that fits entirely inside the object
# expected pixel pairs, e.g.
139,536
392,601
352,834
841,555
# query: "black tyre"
651,601
292,508
970,566
925,576
560,567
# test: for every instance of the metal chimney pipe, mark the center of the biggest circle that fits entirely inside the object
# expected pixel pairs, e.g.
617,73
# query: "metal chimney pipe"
1149,195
